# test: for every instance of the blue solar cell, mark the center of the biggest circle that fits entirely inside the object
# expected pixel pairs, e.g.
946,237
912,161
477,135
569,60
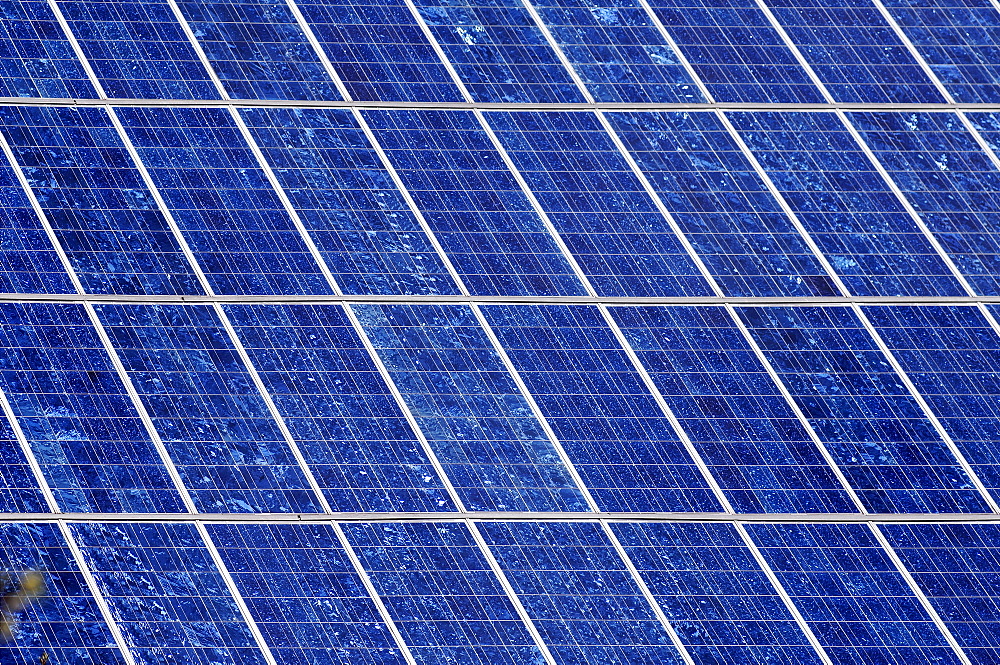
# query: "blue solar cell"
308,601
166,594
959,39
735,51
442,595
848,209
950,354
872,426
578,593
609,222
115,236
19,491
220,198
138,50
722,205
379,51
76,415
948,179
479,425
66,624
730,408
957,567
854,52
849,592
713,592
612,429
473,204
338,408
215,424
347,201
617,51
36,59
498,51
258,50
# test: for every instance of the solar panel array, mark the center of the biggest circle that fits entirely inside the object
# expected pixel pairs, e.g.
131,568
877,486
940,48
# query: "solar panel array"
501,331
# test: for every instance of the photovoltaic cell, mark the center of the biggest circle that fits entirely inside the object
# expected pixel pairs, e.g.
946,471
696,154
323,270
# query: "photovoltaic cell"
228,450
950,354
66,624
479,425
19,491
379,51
473,203
609,222
854,52
733,222
617,51
238,230
948,179
166,595
735,51
612,429
714,593
735,416
108,223
956,566
36,59
872,426
850,593
578,593
336,405
498,51
304,595
258,50
442,595
76,415
348,202
844,203
138,50
959,40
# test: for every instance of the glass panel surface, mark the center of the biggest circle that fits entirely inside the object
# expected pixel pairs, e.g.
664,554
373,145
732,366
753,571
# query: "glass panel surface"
347,201
304,595
442,595
850,593
220,198
166,595
498,51
228,450
473,204
339,410
578,593
106,220
859,407
731,219
714,593
138,50
844,203
736,417
479,425
379,51
609,222
19,491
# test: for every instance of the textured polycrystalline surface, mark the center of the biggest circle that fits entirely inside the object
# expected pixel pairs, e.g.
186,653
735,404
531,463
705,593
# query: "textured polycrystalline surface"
442,594
759,453
228,449
613,431
468,406
854,599
19,489
306,598
338,408
714,593
366,233
379,50
138,49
